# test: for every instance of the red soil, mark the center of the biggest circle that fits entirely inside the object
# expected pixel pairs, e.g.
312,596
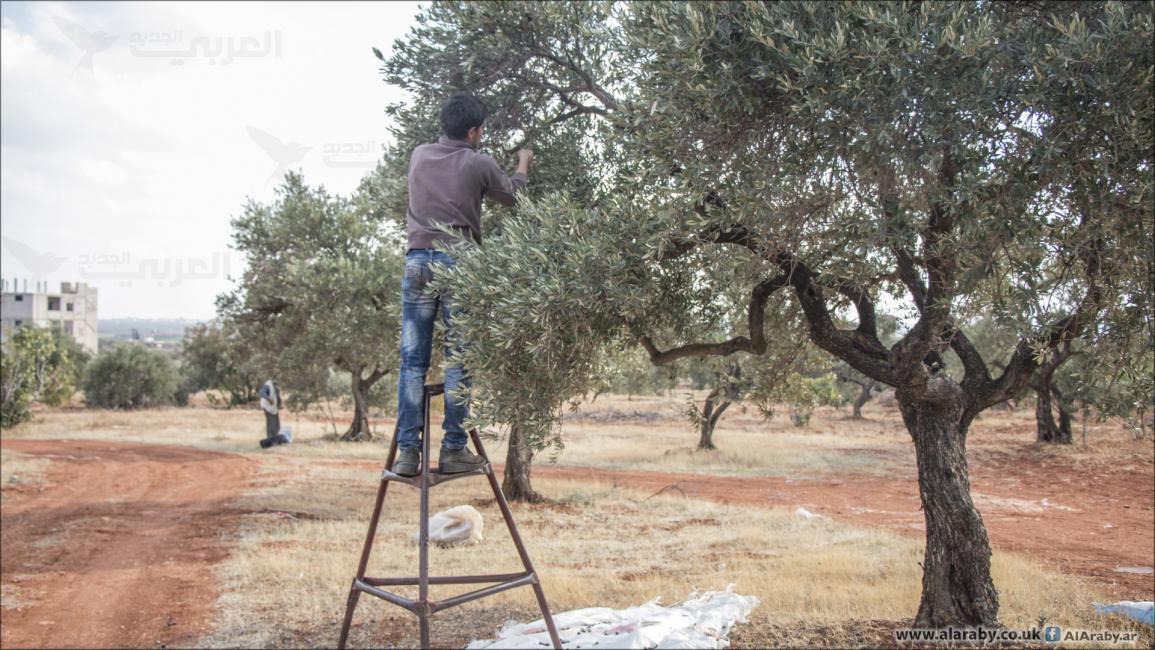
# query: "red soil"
117,549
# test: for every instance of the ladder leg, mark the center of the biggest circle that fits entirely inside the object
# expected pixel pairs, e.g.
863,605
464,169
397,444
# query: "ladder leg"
513,533
423,569
423,623
545,613
373,521
354,594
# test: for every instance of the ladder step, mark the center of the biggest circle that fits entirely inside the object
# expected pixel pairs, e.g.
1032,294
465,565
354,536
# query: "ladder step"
386,475
435,477
445,580
407,603
438,477
527,579
370,586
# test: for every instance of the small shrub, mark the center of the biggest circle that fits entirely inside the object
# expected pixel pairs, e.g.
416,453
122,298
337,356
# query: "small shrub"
130,376
16,381
32,368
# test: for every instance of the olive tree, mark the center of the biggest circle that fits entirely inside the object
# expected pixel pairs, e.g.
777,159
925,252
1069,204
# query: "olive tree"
794,375
453,47
722,313
214,357
725,382
933,160
872,150
1111,379
321,291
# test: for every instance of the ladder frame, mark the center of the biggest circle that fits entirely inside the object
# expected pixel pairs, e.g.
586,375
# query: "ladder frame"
422,606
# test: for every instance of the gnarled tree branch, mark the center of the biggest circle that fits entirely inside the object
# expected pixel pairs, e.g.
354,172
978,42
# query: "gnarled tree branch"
755,321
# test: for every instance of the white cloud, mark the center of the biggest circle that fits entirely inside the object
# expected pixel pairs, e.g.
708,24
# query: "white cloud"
152,159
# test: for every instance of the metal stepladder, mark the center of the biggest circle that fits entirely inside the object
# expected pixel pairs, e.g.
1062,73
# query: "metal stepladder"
422,606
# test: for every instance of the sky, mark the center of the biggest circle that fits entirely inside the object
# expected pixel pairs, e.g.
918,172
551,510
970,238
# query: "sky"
132,133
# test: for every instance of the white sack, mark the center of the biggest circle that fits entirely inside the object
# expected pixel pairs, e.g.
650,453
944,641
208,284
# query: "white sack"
459,525
702,621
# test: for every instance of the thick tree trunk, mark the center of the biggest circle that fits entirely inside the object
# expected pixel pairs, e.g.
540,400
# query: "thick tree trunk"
956,583
862,399
706,426
1047,430
358,430
1065,423
866,390
712,410
518,460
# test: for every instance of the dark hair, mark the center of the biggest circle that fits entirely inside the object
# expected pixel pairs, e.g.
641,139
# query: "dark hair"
460,113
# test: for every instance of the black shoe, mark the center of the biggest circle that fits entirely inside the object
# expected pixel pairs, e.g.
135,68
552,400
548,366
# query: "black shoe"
266,443
456,461
408,463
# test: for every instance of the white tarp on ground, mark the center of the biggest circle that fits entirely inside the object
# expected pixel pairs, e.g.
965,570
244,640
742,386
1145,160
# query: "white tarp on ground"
1140,610
703,621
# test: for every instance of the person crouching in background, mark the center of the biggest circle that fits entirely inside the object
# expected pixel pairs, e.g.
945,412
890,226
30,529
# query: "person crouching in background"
271,404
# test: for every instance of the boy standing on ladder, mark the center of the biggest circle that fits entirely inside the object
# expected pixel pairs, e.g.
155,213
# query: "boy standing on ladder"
447,181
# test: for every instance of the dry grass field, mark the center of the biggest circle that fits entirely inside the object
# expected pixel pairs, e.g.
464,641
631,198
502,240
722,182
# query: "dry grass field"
832,580
597,546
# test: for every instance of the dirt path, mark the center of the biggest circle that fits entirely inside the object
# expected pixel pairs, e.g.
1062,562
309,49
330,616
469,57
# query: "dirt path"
117,547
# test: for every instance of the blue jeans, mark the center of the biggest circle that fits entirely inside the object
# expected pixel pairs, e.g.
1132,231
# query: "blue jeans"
419,309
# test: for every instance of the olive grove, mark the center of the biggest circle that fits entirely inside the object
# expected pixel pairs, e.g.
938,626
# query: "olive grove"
320,292
836,162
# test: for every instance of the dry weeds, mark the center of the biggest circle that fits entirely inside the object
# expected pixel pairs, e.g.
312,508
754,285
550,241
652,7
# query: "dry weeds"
287,582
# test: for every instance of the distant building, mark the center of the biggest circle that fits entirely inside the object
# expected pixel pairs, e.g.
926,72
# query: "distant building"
71,310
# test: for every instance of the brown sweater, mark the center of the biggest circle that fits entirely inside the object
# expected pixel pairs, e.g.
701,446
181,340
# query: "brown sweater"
446,182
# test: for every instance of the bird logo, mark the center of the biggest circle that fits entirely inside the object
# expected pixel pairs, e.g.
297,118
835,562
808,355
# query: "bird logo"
282,153
38,264
90,42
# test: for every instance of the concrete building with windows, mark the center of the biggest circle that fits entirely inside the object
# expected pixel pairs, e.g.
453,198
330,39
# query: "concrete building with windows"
71,310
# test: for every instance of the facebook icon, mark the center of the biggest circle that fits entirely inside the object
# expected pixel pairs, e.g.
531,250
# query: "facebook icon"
1051,634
